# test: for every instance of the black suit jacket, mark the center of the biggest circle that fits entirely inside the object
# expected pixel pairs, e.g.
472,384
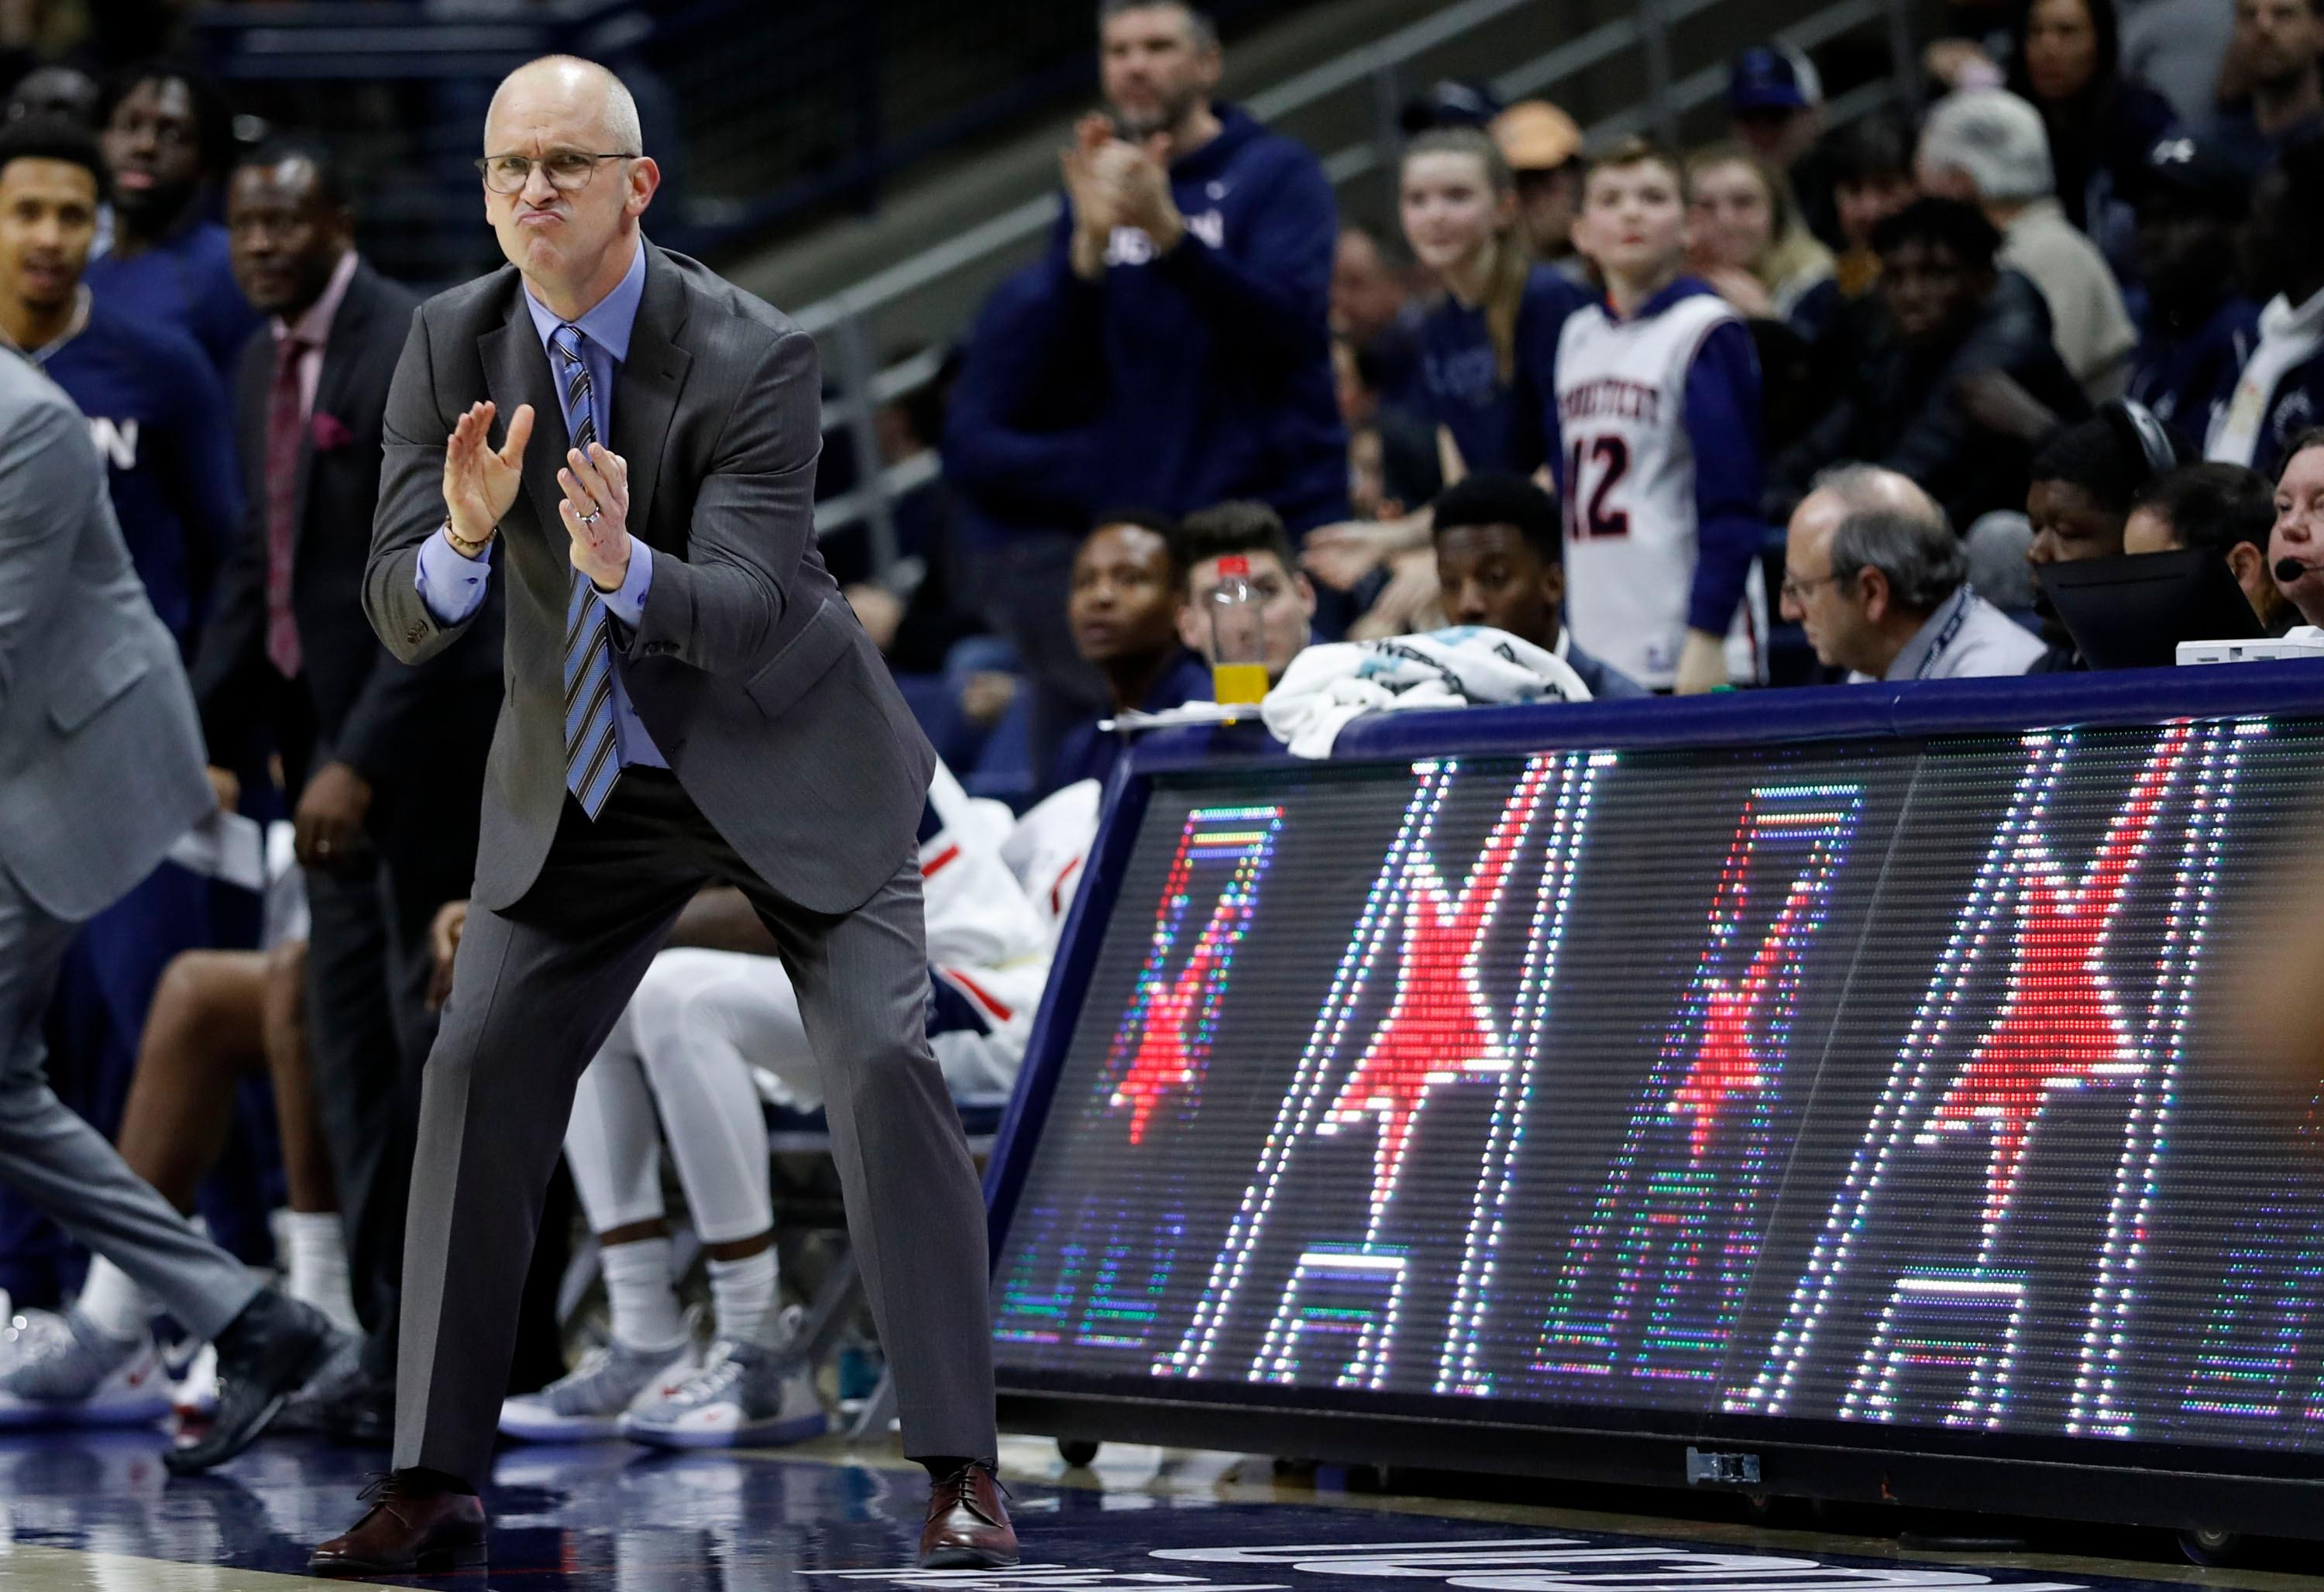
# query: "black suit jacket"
747,667
368,709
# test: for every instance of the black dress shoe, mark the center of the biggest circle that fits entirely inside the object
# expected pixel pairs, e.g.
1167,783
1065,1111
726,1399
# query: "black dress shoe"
413,1529
344,1402
265,1355
967,1526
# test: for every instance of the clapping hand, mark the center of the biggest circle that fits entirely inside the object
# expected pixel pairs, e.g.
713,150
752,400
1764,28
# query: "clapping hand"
1136,179
1092,201
480,480
595,509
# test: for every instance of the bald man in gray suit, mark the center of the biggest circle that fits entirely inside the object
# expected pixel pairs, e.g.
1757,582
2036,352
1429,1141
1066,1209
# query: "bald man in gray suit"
100,773
690,700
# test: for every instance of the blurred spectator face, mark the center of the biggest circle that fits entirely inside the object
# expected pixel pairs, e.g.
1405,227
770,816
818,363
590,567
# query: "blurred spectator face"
1123,603
2061,48
1547,203
2277,40
1154,68
2070,525
1366,295
1776,136
1733,215
55,91
1450,211
1286,608
285,239
153,146
1633,219
1930,294
2298,531
1358,402
549,233
2185,253
1863,205
1831,611
1489,575
48,222
1368,496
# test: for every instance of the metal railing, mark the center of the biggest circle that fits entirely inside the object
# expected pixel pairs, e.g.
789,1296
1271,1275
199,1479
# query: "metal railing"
844,322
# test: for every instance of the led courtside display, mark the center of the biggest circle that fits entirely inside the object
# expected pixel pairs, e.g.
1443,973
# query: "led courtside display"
1892,1083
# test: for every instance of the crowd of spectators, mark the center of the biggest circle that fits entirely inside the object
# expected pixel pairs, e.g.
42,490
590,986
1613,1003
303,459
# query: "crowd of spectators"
1808,403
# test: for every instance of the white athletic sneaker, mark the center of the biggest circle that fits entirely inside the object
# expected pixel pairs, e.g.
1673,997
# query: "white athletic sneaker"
61,1371
745,1395
195,1394
587,1403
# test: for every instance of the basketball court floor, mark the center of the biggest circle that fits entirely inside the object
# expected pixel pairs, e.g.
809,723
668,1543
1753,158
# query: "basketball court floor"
99,1514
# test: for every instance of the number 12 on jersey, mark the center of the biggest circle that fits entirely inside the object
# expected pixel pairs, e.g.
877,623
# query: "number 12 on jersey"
1593,468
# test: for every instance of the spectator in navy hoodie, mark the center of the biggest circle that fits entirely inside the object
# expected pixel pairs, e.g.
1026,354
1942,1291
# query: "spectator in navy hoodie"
1194,259
169,137
2199,329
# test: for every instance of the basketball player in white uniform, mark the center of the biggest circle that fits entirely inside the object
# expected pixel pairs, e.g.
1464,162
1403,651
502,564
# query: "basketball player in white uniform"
709,1035
1654,436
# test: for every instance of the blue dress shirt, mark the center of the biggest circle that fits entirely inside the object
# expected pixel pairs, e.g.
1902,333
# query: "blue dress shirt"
452,585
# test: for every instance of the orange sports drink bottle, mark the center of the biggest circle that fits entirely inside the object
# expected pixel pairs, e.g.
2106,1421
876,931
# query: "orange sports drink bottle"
1238,636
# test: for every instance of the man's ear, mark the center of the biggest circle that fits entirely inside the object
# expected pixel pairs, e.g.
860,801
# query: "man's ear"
1553,587
1190,630
2246,561
1872,587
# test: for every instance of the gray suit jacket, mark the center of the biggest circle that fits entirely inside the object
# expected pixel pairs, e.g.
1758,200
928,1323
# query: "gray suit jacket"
100,749
748,668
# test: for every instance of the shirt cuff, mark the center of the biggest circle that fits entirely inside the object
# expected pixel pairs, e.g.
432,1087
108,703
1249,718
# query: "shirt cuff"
450,586
627,602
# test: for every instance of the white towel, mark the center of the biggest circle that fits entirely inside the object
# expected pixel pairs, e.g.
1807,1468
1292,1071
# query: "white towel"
1325,686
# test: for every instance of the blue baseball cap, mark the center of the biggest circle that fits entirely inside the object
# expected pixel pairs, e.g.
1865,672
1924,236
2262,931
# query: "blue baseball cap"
1766,78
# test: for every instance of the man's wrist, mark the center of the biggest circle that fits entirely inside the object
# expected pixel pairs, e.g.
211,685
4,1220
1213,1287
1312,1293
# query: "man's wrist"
466,547
1169,233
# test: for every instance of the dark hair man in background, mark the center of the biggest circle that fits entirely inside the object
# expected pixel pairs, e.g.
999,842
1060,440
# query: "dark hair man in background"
288,655
2275,50
1500,562
169,137
1287,600
2225,508
2278,394
1123,610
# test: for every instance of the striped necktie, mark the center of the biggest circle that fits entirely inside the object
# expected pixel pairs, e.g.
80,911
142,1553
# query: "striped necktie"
592,763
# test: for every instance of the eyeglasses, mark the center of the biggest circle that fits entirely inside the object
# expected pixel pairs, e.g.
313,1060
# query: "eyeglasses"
1795,589
569,169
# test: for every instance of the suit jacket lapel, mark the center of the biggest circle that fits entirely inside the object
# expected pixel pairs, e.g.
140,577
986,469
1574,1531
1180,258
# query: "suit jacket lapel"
341,349
516,370
646,400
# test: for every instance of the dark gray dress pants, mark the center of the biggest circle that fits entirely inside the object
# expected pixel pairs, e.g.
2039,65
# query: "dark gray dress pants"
535,991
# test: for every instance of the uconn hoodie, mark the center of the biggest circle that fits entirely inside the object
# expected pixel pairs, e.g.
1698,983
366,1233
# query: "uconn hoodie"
1211,364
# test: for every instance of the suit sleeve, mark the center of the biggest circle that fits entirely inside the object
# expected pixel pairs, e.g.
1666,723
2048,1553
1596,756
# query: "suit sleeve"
47,462
1270,297
411,508
233,639
719,607
1722,425
203,477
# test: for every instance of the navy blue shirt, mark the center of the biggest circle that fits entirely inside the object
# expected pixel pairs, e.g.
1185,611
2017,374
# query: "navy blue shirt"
186,281
1085,751
1462,387
2187,378
160,421
1215,358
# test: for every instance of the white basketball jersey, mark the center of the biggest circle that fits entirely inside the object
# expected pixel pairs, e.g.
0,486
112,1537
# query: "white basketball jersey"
1628,475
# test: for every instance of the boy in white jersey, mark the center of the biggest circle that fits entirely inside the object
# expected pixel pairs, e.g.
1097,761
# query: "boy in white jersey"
1651,423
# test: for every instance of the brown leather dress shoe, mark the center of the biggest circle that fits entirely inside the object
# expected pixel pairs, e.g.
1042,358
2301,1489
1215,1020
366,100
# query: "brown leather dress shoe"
968,1525
412,1529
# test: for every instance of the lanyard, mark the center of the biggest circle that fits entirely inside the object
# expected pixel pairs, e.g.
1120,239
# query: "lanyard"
1947,634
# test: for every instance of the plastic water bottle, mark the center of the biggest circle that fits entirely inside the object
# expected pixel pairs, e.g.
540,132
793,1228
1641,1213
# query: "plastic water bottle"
1238,636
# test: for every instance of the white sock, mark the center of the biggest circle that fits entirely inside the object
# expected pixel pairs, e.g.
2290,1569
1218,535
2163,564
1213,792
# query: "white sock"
637,1287
317,1247
115,1305
743,1293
